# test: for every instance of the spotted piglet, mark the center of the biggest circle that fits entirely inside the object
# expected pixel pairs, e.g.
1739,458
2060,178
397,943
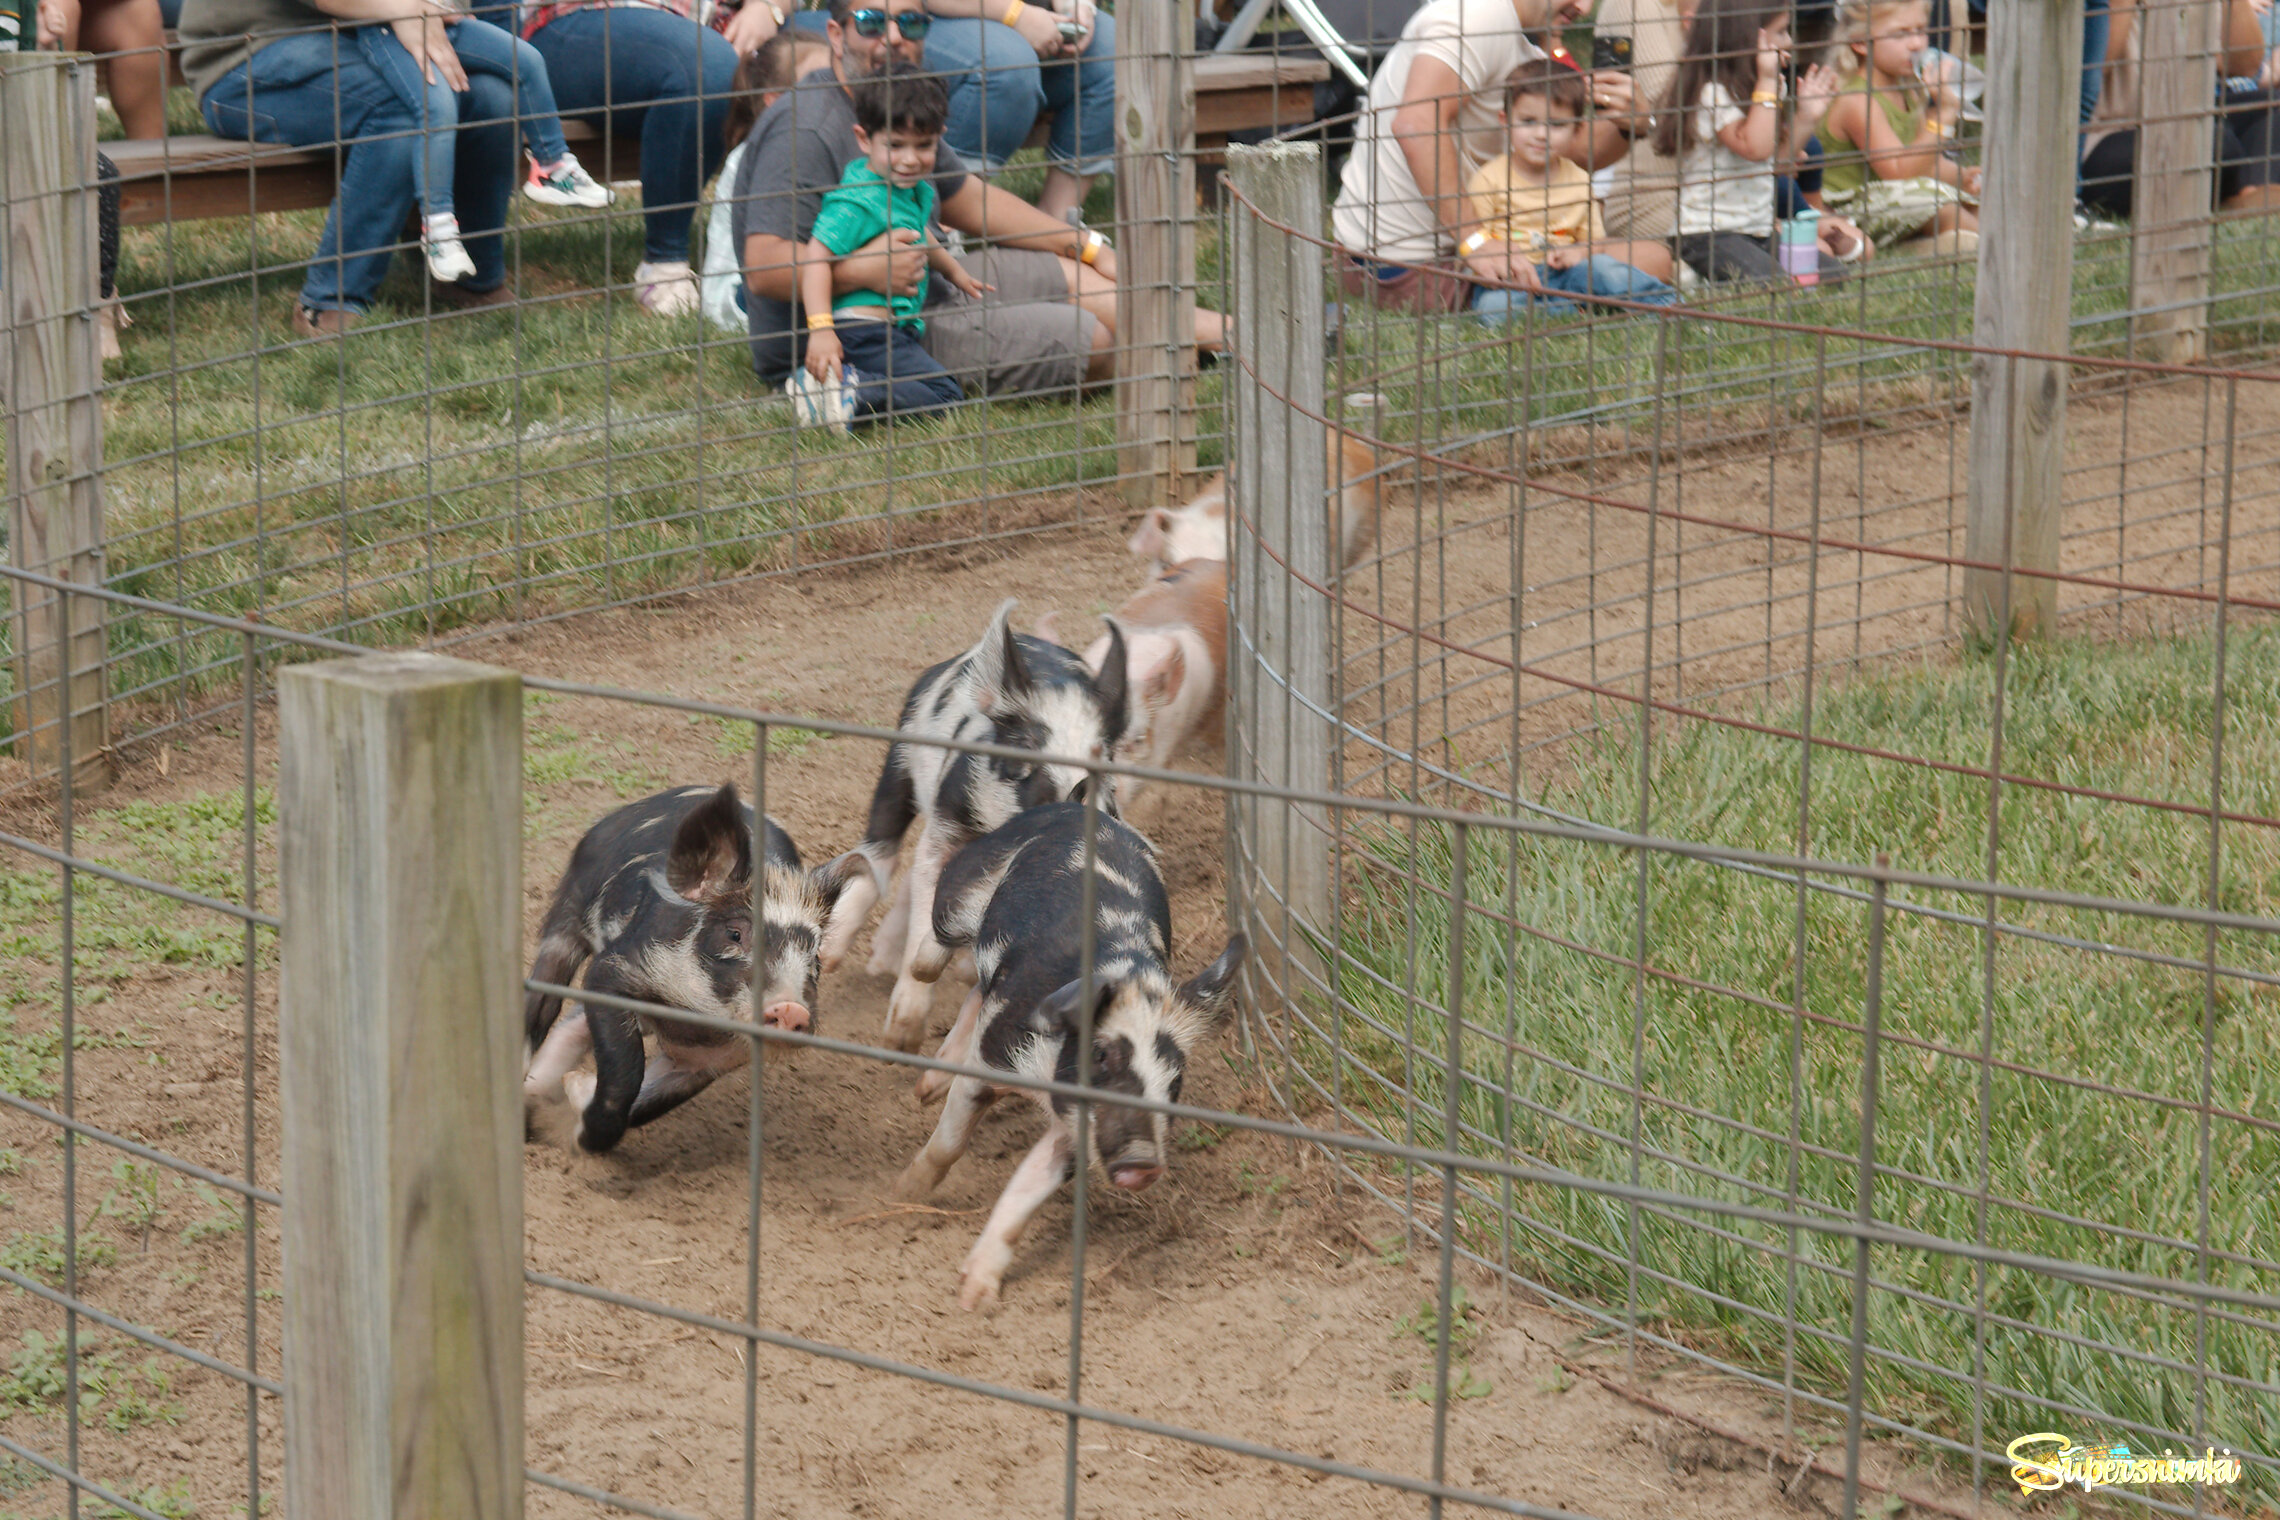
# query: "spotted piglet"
1009,689
659,896
1017,897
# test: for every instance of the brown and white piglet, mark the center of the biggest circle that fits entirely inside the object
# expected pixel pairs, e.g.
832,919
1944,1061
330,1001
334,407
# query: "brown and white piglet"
659,896
1175,654
1198,530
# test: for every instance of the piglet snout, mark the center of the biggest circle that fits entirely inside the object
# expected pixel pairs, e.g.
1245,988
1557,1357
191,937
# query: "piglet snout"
792,1016
1132,1176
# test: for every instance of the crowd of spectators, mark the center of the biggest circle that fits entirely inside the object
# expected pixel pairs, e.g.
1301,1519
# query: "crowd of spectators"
1490,170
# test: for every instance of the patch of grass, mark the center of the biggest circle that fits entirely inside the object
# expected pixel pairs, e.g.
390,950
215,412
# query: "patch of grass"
223,1216
2072,1172
120,1395
173,1501
40,1254
1466,1323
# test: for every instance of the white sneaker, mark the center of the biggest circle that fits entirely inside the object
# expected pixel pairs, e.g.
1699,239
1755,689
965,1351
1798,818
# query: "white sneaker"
667,290
447,259
819,403
566,184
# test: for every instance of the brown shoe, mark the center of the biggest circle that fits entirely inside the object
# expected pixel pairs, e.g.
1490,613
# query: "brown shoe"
330,323
460,298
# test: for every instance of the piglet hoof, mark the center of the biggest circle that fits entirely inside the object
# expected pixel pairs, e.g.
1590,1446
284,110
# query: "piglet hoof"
907,1012
928,964
916,1184
977,1290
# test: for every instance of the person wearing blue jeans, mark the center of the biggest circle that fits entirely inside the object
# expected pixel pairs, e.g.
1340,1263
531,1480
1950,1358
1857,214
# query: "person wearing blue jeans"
635,67
275,71
1598,275
480,48
1008,63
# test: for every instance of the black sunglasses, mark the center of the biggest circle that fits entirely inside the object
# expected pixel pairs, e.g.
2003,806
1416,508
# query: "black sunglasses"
914,25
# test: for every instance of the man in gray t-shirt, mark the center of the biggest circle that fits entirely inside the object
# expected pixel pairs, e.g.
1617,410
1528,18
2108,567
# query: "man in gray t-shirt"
1048,325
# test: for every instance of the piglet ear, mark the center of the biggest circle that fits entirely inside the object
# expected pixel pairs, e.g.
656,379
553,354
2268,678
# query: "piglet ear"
711,854
1000,674
1056,1015
1162,681
1111,686
1154,534
1212,992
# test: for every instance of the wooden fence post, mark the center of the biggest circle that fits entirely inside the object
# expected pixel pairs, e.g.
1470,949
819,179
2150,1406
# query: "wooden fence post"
1155,254
49,369
400,1064
2171,193
1279,480
2025,291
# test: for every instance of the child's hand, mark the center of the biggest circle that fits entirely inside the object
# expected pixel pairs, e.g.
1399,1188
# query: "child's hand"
956,274
1969,181
1769,51
1816,92
824,355
1568,257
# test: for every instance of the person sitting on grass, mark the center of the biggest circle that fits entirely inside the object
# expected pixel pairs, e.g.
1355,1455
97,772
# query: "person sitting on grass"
761,79
1534,208
899,116
1883,139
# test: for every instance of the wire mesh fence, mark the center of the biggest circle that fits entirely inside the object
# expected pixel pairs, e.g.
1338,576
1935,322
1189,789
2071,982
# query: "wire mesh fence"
1647,903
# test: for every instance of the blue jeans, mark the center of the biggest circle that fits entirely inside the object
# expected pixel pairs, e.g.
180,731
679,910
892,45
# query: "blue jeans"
482,49
634,68
998,87
894,375
290,91
1599,275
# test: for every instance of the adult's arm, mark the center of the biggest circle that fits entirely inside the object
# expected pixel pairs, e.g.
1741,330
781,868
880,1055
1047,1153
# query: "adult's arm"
892,261
1619,120
2243,41
1038,25
1425,131
980,209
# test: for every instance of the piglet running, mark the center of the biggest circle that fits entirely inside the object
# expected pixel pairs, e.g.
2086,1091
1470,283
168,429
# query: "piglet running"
1017,897
659,895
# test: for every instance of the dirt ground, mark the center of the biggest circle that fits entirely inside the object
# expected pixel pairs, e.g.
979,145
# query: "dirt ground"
1245,1295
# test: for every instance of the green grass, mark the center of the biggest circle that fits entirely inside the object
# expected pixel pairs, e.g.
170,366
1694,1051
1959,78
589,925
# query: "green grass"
2133,718
423,476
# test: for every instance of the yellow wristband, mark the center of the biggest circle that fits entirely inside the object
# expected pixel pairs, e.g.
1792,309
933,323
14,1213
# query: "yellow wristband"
1013,12
1094,243
818,321
1472,244
1765,98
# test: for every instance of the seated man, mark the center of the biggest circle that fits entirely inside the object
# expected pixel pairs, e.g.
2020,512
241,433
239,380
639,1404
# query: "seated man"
1432,120
1049,324
274,71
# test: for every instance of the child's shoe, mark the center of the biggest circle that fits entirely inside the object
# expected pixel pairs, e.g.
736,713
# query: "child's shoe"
566,183
819,403
447,258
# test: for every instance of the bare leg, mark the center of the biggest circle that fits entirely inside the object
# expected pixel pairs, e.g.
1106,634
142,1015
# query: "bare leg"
957,1046
137,81
1646,256
1038,1178
1063,192
952,1132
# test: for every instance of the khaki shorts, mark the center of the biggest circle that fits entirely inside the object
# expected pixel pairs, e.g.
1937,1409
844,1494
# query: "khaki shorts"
1893,210
1026,336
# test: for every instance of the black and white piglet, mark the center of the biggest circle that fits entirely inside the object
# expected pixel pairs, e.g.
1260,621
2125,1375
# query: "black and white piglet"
1017,897
1009,689
659,895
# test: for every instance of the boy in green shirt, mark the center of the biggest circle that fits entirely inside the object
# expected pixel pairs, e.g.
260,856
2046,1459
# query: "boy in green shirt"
899,116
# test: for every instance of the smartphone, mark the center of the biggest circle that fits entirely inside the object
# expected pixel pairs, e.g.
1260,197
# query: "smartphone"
1610,53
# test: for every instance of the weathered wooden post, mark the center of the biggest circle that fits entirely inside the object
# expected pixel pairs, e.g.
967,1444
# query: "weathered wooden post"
1155,254
49,371
400,1066
1278,481
2171,195
2025,291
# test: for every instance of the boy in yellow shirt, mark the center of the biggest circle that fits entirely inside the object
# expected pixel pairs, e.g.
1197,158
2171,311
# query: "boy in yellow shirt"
1536,208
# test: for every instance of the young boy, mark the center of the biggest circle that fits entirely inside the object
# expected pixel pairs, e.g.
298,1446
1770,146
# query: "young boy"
1536,207
899,116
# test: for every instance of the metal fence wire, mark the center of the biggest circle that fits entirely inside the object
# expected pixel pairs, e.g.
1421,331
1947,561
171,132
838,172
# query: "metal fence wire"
1678,896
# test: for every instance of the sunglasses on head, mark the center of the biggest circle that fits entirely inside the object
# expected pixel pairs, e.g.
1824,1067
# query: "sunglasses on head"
872,22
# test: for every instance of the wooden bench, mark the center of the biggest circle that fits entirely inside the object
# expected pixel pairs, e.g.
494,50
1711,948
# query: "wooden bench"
194,178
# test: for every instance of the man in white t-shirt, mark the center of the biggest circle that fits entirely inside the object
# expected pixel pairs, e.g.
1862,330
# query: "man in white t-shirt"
1430,121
